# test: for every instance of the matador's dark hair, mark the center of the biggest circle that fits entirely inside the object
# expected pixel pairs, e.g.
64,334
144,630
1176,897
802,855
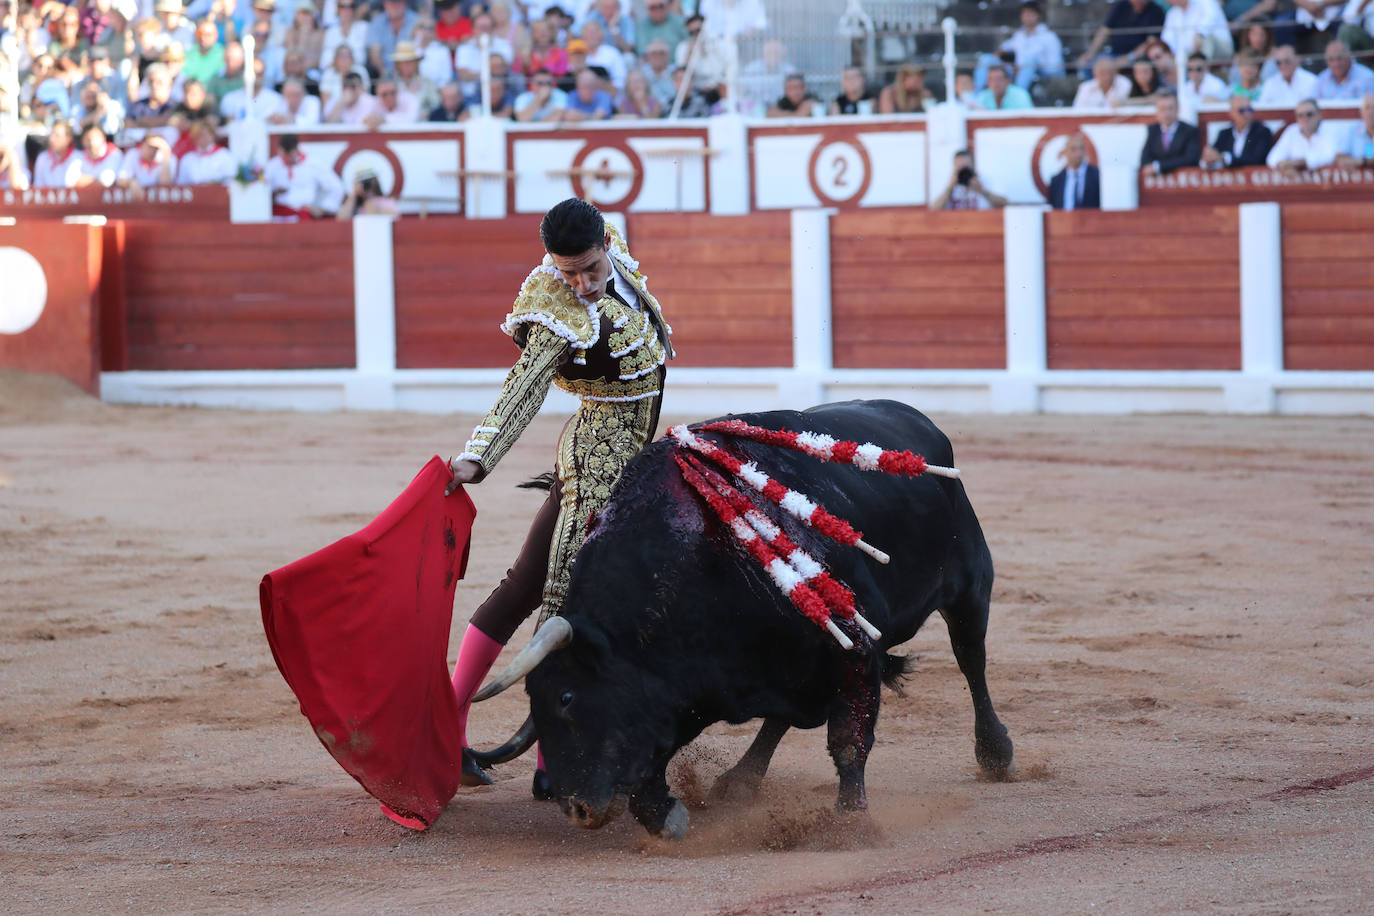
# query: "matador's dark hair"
572,227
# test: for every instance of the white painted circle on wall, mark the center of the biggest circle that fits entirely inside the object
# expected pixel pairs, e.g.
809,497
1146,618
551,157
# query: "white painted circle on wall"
26,290
840,170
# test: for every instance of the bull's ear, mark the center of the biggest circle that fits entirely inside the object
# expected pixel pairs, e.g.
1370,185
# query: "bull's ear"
592,649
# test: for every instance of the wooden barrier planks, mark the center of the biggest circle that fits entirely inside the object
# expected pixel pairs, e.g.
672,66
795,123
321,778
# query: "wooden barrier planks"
725,283
1328,287
223,296
1146,289
913,289
52,281
455,282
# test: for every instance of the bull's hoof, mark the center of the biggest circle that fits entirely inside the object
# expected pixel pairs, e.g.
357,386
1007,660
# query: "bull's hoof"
996,758
675,824
737,786
540,788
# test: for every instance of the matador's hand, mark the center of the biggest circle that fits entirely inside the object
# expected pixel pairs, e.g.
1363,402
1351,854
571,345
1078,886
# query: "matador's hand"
464,471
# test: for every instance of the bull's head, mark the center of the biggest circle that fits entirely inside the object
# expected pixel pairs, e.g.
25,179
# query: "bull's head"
603,740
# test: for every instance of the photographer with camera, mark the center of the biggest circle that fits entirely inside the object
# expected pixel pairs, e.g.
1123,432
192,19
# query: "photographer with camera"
367,197
965,190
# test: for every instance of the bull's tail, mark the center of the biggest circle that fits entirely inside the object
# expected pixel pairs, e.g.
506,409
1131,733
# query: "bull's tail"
896,669
545,481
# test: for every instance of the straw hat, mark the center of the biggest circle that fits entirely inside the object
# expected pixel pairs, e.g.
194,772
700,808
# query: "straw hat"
405,50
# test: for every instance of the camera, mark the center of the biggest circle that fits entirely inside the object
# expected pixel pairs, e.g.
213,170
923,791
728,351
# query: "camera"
965,175
370,187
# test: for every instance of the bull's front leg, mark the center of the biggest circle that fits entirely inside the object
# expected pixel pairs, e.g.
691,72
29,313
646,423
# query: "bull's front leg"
849,736
659,811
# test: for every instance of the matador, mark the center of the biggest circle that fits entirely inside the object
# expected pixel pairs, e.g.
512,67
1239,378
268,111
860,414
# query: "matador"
584,321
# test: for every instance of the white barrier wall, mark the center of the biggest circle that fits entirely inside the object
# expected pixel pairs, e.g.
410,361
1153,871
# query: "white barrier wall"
1025,384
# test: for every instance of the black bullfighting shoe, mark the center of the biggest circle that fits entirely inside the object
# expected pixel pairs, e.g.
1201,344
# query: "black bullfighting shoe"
540,789
473,774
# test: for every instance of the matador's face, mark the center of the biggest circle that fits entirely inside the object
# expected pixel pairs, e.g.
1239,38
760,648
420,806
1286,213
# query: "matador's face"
587,272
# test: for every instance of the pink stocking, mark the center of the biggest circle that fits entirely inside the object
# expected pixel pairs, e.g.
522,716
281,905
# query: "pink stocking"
475,658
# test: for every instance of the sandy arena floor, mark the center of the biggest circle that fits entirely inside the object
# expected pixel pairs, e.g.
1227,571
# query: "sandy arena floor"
1182,645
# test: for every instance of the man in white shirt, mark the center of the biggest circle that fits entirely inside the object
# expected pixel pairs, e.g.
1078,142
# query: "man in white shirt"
1306,144
151,164
100,159
395,106
1359,149
709,59
208,163
467,60
733,17
406,68
298,107
301,187
1197,25
1343,77
58,166
1038,51
353,106
1201,87
1290,85
436,60
601,54
1107,88
265,102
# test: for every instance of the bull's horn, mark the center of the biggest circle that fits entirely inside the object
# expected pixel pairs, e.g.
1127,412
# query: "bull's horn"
554,634
520,742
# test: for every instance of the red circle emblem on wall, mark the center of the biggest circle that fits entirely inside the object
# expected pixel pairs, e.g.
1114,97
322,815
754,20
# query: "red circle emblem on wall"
1053,136
609,174
840,172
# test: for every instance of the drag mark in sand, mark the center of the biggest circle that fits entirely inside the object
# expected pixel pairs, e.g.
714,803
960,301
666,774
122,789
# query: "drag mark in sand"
1055,844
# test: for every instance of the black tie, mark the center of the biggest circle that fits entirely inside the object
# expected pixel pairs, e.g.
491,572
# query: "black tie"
610,291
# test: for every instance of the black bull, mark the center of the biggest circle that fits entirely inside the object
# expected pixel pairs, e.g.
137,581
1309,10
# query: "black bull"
675,627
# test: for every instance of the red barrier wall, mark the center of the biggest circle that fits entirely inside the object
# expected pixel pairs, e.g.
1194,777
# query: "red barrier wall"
65,338
455,282
222,296
1328,287
725,283
1149,289
914,289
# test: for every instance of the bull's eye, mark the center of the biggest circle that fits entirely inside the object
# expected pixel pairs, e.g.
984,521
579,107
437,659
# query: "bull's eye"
566,699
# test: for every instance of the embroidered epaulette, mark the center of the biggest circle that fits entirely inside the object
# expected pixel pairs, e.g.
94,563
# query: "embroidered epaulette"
546,298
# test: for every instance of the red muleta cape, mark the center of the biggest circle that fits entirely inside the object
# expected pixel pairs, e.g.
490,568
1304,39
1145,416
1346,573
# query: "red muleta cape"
360,630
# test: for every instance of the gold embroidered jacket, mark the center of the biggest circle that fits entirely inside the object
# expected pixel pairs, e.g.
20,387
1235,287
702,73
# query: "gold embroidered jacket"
601,351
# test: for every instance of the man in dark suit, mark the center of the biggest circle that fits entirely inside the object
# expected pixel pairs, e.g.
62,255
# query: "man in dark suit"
1246,142
1169,143
1078,186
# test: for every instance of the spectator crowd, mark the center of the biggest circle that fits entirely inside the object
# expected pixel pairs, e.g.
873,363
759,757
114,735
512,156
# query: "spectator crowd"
135,93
